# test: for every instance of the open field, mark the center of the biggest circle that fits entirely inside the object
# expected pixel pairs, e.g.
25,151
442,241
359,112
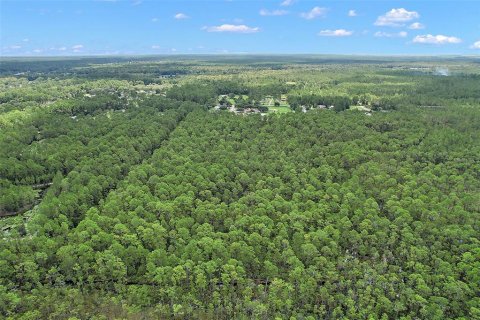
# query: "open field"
280,109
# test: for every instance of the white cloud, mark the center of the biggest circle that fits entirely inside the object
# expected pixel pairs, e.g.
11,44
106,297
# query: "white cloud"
381,34
154,19
265,12
15,47
173,50
438,39
62,48
37,50
476,45
335,33
26,40
352,13
236,28
396,17
156,47
416,26
287,3
314,13
181,16
137,2
77,47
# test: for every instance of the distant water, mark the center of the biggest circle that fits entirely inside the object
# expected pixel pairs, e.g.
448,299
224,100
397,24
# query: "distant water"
442,72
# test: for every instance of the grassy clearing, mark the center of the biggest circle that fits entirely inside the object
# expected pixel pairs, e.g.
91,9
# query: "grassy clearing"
280,109
360,108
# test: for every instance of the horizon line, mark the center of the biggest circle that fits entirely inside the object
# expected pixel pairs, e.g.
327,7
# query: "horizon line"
100,55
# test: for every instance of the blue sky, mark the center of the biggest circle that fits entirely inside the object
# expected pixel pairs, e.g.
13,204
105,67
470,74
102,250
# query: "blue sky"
52,28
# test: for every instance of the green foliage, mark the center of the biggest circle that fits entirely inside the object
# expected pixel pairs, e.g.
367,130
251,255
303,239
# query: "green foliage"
157,208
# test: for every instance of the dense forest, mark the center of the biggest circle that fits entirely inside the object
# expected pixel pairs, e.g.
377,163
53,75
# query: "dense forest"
139,188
